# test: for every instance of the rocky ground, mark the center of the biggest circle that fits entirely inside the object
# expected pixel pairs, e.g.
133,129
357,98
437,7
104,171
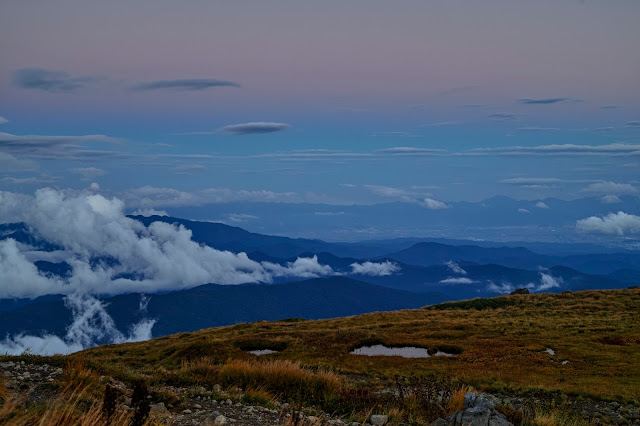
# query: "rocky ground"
195,406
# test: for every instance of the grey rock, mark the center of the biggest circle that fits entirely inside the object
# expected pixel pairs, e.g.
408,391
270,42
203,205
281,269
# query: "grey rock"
158,408
379,420
220,420
477,411
186,411
521,291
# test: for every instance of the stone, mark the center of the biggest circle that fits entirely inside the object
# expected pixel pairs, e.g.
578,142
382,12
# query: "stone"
477,411
8,374
187,411
220,420
197,407
379,420
217,388
158,408
521,291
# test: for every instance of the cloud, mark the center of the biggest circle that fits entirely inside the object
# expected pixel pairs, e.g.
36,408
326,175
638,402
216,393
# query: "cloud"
27,181
616,149
455,268
91,325
3,120
52,147
110,253
388,191
543,101
523,211
193,84
374,269
457,280
610,199
542,205
149,213
610,107
315,155
88,172
151,197
537,129
610,188
504,116
241,217
633,123
254,128
10,162
502,288
303,267
410,151
613,224
432,204
547,282
531,181
49,80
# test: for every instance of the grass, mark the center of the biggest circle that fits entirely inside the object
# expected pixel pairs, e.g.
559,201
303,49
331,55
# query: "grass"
500,343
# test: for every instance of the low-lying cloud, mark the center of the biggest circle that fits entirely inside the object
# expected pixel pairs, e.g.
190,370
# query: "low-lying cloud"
91,325
110,253
619,223
374,269
543,101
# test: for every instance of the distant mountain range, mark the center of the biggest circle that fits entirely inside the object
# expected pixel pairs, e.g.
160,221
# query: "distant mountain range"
495,219
217,305
425,272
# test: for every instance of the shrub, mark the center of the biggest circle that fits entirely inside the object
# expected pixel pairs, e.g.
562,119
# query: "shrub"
478,304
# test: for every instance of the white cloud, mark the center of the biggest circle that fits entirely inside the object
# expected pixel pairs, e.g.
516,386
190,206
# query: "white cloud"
88,172
523,211
374,269
614,223
457,280
502,288
91,325
615,149
147,197
542,205
455,268
241,217
432,204
610,199
3,120
149,212
387,191
610,188
89,226
547,282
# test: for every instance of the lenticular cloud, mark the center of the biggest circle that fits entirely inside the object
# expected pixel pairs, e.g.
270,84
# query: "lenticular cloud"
110,253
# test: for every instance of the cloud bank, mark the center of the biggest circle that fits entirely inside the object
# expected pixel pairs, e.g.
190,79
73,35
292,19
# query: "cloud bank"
92,325
110,253
613,224
374,269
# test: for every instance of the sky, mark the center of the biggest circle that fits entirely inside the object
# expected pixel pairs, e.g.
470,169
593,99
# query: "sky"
358,102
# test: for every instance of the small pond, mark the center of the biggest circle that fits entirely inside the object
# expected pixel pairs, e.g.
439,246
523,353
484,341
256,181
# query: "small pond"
262,352
405,352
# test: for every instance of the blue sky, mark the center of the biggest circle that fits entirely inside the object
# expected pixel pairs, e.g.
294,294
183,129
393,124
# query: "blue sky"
360,102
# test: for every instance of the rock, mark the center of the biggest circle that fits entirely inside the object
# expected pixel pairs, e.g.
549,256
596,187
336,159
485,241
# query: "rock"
8,374
197,407
220,420
313,419
217,388
477,411
379,420
521,291
158,408
228,402
186,411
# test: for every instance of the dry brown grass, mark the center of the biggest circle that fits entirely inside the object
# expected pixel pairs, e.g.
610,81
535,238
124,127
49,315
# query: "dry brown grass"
502,347
72,407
